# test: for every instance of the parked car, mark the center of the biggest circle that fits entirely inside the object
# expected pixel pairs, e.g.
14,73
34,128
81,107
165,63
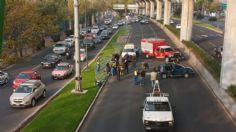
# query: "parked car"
115,26
63,70
50,60
95,30
104,34
4,77
28,93
70,41
178,26
144,21
128,49
176,57
102,27
97,40
110,30
175,70
60,48
25,76
88,42
83,56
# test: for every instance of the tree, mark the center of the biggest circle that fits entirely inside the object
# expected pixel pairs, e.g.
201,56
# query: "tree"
2,8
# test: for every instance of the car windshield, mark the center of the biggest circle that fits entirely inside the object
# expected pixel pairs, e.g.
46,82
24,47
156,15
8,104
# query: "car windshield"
62,68
128,50
60,45
168,49
157,106
24,89
23,76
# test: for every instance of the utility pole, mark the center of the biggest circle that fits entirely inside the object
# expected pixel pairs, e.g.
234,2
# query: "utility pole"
85,1
78,78
2,10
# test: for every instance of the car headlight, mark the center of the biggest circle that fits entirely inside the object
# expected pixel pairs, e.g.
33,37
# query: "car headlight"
171,123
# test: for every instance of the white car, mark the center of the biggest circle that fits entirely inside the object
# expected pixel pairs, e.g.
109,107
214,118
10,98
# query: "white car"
4,78
63,70
157,113
82,55
178,26
60,47
129,49
70,41
95,29
115,26
27,93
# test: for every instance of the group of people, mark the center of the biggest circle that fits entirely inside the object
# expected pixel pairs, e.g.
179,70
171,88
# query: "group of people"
139,76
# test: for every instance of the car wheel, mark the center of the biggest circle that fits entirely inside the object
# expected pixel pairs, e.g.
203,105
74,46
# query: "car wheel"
44,94
6,80
163,76
186,75
33,102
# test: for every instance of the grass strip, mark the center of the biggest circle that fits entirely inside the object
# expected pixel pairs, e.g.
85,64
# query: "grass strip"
64,113
202,24
232,91
173,30
207,60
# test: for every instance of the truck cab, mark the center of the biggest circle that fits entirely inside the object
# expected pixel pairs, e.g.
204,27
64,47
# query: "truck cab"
164,52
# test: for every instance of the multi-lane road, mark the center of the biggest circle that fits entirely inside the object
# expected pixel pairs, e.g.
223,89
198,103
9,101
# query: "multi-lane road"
118,106
11,117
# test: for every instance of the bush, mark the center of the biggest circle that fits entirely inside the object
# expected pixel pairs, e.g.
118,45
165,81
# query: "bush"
56,37
212,19
199,16
232,91
69,32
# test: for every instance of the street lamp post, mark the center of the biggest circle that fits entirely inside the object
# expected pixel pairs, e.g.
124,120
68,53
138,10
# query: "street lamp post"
78,78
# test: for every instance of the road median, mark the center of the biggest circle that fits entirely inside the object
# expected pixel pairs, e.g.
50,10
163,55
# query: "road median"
66,110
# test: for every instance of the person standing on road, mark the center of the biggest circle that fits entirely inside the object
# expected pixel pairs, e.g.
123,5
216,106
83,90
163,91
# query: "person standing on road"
142,76
126,66
136,77
153,76
108,69
118,72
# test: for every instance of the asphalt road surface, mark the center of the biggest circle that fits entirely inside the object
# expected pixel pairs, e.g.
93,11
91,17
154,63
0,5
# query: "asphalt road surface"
118,106
11,117
206,38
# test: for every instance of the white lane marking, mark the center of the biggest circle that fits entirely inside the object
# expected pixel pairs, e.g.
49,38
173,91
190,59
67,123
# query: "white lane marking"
204,35
201,30
212,44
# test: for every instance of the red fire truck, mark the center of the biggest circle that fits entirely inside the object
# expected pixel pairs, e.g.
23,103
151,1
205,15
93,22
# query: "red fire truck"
156,47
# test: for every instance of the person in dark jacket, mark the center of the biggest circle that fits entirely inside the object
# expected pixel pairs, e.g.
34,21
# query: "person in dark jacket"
142,76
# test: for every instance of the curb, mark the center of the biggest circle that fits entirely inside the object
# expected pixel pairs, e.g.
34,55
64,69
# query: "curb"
34,113
91,106
222,97
98,93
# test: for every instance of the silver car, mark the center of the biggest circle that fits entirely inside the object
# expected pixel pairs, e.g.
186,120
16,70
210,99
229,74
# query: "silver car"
4,78
27,93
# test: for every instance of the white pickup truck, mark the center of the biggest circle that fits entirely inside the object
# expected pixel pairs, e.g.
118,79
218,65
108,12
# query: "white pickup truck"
157,111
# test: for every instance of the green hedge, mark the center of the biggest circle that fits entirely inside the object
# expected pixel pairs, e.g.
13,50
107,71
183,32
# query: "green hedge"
208,61
232,91
173,30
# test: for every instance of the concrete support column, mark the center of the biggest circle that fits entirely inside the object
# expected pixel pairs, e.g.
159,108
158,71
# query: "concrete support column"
159,10
143,8
147,8
186,20
152,9
167,12
228,67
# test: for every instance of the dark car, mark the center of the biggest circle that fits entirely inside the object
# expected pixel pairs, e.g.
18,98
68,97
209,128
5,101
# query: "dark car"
109,30
105,34
97,40
176,57
50,60
88,42
102,27
218,52
174,70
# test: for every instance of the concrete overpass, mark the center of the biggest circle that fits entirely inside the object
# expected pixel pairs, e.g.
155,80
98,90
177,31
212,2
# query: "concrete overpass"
153,9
